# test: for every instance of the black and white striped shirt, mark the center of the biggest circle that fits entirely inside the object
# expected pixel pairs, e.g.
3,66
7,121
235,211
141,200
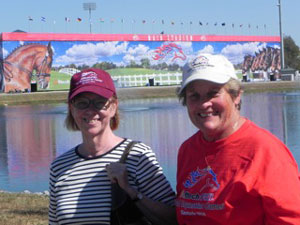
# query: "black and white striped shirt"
80,190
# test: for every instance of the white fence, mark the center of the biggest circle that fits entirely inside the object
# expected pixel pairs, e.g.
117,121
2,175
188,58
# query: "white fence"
147,80
69,71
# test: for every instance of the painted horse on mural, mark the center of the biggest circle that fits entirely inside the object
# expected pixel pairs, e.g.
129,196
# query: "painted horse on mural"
276,61
267,59
171,49
19,67
248,59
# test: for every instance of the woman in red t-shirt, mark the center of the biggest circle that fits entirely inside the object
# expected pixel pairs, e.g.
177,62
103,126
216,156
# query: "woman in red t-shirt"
231,171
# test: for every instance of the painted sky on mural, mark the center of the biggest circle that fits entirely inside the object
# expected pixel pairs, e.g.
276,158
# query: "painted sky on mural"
121,53
240,17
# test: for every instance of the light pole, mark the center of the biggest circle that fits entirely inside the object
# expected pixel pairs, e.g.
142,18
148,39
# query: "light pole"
89,6
281,38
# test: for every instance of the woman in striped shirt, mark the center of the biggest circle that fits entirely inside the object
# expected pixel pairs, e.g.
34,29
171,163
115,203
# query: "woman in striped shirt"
80,179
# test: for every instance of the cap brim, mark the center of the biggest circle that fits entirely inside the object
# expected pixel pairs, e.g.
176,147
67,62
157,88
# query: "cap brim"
103,92
216,78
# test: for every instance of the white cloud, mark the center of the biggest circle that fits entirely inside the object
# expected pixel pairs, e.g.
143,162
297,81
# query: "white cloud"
136,53
5,53
128,58
276,46
90,53
235,53
207,49
138,50
119,64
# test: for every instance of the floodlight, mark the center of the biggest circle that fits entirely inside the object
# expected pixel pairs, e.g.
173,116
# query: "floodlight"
89,6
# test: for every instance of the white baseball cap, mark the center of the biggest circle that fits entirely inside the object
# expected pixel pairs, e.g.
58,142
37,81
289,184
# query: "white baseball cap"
214,68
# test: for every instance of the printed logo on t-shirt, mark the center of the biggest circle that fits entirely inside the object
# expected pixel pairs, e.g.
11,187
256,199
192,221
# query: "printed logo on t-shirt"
206,181
206,174
198,194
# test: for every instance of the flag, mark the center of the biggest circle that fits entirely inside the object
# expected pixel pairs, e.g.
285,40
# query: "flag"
30,18
43,19
101,20
79,19
67,19
223,24
200,23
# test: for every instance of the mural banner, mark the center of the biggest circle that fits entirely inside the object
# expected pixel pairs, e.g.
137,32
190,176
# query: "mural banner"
47,61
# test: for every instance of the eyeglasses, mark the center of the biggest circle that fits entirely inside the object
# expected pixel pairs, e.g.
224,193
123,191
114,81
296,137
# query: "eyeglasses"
84,103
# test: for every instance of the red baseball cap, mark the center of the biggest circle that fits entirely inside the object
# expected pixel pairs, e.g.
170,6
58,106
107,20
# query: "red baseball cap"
92,80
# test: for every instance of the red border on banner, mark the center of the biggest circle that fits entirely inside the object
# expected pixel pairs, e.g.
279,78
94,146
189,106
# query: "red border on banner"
15,36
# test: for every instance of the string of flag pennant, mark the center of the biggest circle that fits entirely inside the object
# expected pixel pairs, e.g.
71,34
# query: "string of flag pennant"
162,21
112,20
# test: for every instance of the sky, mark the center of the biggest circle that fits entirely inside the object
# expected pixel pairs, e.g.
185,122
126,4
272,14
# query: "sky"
239,17
236,17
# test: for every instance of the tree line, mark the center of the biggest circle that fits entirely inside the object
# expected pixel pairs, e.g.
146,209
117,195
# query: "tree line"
144,63
291,53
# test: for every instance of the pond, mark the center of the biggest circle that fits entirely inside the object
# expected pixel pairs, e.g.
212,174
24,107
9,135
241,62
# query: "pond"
31,136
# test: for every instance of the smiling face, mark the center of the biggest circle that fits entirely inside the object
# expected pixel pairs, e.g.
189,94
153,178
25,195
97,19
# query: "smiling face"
212,109
91,120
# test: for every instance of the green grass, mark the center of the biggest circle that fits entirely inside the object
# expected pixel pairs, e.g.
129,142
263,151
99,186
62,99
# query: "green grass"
60,81
239,75
23,209
57,77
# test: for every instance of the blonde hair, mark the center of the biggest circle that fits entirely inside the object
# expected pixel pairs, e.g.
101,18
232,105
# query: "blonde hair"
72,126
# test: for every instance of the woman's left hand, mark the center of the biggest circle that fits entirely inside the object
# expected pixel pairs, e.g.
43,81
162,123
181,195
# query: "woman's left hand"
117,173
157,212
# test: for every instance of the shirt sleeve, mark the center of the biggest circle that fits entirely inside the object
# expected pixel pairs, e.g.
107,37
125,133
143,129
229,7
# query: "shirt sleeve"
279,186
149,176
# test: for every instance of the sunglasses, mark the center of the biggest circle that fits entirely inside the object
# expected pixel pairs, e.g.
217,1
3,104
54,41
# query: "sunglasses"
84,103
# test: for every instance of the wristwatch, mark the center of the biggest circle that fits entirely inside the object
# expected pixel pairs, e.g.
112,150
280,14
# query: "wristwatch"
139,196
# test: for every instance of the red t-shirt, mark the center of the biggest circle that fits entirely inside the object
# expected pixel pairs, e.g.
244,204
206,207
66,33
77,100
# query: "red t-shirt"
248,178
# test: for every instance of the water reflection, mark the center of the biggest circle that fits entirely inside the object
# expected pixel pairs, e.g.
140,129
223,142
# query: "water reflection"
291,120
27,140
164,127
32,136
266,110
